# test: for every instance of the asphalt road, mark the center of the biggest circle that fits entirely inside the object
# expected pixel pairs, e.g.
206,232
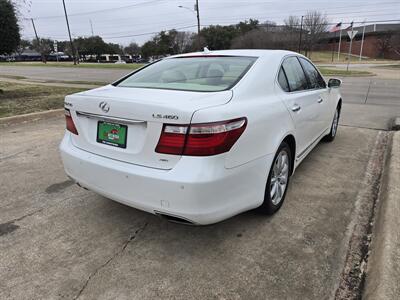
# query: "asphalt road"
379,98
60,241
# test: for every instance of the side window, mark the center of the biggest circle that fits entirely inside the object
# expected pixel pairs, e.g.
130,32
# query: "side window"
294,74
283,81
316,80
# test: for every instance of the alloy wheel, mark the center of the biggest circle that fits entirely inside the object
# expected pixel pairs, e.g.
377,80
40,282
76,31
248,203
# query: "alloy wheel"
279,178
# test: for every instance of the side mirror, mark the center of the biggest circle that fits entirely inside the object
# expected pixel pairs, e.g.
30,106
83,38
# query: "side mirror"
334,83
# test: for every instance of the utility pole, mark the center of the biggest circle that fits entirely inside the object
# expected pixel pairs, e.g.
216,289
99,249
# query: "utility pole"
69,33
38,41
301,31
91,26
198,24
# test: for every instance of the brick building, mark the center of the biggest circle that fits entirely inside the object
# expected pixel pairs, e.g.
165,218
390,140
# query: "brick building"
374,38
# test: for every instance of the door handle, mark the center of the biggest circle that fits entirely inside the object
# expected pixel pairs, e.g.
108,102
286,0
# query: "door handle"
320,100
296,107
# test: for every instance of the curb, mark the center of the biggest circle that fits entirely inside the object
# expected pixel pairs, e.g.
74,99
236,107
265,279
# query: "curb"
396,124
31,117
383,271
352,279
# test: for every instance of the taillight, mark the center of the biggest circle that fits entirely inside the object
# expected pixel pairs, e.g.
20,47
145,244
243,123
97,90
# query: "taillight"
70,122
200,139
172,139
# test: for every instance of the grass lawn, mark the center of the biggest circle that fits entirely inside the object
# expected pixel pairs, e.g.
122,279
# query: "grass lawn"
71,65
326,57
16,99
342,72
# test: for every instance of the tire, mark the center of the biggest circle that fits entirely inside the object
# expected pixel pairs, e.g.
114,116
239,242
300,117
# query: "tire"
335,124
272,202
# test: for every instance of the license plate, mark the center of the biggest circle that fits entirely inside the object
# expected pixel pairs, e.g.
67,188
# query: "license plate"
112,134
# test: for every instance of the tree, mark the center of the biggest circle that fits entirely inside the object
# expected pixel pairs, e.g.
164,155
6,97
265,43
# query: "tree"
24,44
395,43
264,38
43,46
183,41
9,29
132,49
315,24
219,37
292,23
387,42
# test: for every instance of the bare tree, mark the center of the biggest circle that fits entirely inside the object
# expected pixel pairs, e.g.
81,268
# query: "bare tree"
395,43
264,39
183,41
383,44
292,23
315,24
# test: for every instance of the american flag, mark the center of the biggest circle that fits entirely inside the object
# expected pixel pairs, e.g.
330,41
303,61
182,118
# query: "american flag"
337,27
350,26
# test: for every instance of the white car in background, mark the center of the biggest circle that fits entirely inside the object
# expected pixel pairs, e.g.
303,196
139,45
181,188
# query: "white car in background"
200,137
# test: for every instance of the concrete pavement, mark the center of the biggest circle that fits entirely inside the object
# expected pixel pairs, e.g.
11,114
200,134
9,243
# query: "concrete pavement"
60,241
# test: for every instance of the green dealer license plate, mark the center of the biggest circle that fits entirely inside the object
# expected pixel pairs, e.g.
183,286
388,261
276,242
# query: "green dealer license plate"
112,134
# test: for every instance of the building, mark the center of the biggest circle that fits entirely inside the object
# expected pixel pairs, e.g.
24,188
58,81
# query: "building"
378,41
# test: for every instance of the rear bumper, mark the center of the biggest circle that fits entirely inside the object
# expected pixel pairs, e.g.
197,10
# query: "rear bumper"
199,189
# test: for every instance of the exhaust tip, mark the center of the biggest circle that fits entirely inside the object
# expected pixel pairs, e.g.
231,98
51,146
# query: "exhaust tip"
174,219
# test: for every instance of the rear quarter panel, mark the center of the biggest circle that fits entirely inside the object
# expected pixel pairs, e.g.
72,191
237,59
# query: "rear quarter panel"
268,122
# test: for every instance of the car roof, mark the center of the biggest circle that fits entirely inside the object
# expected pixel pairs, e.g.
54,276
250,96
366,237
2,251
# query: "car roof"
239,52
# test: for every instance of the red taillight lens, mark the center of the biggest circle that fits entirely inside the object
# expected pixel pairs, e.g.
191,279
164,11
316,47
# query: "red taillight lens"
172,139
70,123
201,139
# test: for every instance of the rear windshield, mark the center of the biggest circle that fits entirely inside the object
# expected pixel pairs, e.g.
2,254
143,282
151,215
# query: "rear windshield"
199,74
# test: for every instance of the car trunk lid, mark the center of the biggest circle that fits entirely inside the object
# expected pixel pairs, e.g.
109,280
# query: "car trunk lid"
139,114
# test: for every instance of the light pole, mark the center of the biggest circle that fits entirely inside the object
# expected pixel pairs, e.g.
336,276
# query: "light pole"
301,31
69,33
197,14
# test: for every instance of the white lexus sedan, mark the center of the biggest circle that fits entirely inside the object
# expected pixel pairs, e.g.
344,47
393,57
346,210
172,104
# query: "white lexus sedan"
200,137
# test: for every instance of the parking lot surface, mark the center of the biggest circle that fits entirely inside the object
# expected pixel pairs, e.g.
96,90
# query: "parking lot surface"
60,241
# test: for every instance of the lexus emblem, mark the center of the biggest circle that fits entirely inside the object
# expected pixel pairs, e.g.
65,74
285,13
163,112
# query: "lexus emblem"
104,106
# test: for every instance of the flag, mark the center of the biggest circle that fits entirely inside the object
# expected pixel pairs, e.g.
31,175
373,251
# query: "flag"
351,26
337,27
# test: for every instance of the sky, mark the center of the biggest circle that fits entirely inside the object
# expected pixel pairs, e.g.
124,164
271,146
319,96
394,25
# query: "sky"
125,21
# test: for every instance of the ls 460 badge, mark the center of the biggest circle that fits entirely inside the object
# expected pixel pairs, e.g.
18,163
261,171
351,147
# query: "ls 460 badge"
168,117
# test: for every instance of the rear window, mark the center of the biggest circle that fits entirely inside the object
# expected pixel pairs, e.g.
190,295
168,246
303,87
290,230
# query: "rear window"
199,74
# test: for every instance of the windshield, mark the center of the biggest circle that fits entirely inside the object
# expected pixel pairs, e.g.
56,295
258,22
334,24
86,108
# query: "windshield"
199,74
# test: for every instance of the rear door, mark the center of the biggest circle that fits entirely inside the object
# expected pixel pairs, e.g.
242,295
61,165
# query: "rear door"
300,102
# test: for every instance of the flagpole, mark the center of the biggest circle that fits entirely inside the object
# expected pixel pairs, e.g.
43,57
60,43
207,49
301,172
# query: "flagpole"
340,41
362,41
351,43
333,46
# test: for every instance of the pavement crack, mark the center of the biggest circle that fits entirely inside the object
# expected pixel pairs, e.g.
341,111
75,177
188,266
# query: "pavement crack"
108,261
27,215
369,87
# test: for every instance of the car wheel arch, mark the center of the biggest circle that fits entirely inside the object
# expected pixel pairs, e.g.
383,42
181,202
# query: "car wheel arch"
289,139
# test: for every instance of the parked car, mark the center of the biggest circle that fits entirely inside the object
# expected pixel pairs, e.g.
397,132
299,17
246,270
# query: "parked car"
200,137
